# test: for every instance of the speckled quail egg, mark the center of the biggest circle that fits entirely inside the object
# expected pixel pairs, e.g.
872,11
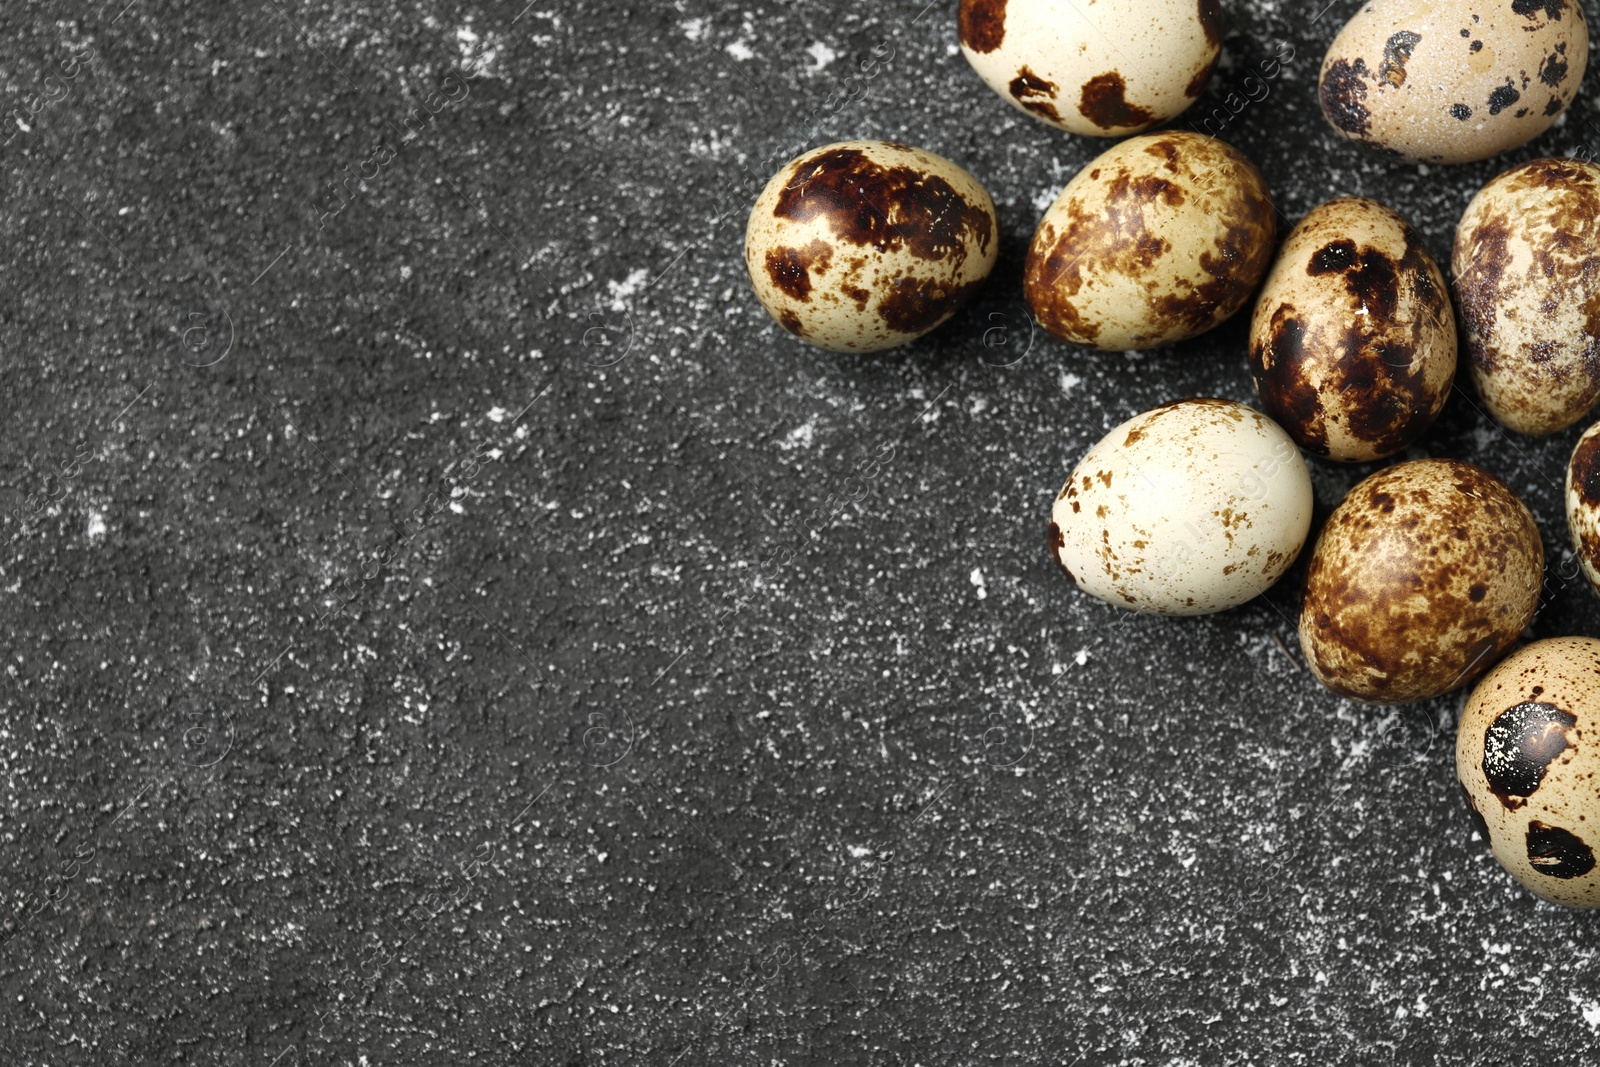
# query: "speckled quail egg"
1424,575
864,245
1583,504
1159,239
1528,760
1103,68
1451,81
1527,282
1192,507
1353,343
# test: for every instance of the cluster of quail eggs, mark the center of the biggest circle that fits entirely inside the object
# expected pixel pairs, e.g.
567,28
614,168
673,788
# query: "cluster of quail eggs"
1429,571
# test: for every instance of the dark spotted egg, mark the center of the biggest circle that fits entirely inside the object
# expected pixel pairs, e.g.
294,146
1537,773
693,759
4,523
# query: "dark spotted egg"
864,245
1527,281
1422,578
1452,81
1583,504
1101,68
1528,760
1353,343
1157,240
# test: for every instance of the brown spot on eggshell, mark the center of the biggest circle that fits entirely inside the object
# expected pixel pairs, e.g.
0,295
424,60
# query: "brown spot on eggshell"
1056,541
1202,78
1520,745
791,322
1396,51
884,207
1503,97
1278,362
1557,852
982,24
790,268
1343,94
1478,822
1551,9
1584,474
914,305
1103,101
1035,93
1553,71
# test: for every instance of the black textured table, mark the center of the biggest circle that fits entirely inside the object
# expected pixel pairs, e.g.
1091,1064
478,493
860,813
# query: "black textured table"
446,621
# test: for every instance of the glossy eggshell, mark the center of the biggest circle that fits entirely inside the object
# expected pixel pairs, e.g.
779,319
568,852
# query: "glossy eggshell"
1527,281
1583,504
1159,239
1424,575
1193,507
1528,760
1353,341
1452,81
864,245
1104,68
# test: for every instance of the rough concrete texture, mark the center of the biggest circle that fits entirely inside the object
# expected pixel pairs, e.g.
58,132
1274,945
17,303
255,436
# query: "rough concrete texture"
447,621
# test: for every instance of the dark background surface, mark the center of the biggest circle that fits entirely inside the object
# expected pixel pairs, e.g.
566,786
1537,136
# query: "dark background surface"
696,696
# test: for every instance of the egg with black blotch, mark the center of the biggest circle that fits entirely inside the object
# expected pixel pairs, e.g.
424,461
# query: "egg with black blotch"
861,246
1583,504
1106,68
1353,340
1453,81
1527,281
1158,239
1193,507
1424,575
1528,762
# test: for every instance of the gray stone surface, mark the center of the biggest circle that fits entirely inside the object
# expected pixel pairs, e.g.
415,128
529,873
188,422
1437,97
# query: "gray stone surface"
696,696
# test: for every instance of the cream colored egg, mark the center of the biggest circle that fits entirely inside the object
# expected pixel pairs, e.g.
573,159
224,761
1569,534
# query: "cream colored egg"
1102,68
1192,507
1528,760
1159,239
1353,343
1452,81
1583,504
1423,576
1527,281
864,245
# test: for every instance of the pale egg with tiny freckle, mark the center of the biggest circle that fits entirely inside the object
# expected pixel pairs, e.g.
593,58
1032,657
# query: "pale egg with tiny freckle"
1193,507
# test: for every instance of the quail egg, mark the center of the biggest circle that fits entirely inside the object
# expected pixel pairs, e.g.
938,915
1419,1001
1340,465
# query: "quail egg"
1424,575
1106,68
1159,239
1583,504
1452,81
864,245
1192,507
1528,760
1528,286
1353,343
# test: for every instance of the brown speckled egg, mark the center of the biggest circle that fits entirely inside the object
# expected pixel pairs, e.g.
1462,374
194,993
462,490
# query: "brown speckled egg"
1528,760
1452,81
1353,343
1527,281
864,245
1192,507
1424,575
1583,504
1102,68
1157,240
